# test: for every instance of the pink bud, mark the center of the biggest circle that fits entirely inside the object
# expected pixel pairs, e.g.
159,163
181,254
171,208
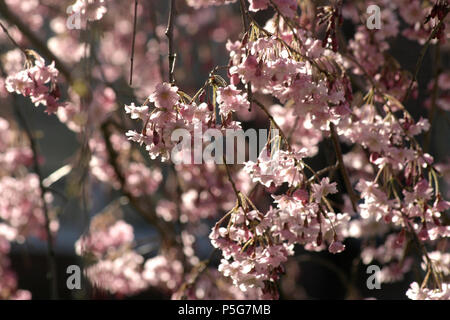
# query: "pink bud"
400,238
155,137
319,239
336,247
374,156
423,234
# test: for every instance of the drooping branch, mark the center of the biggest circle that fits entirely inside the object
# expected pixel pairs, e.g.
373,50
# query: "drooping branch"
233,184
345,176
169,35
14,42
421,56
40,45
163,228
133,42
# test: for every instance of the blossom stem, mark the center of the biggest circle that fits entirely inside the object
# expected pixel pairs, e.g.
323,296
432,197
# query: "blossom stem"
134,41
169,35
264,109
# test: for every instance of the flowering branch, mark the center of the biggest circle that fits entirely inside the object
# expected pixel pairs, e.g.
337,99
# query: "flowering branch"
5,30
423,51
34,39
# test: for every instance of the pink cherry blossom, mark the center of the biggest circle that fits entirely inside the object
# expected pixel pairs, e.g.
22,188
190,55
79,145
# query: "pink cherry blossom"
165,96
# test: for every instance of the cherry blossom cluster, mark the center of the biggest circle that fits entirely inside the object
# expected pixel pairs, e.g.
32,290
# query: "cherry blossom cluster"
112,264
254,244
39,82
271,68
415,292
296,73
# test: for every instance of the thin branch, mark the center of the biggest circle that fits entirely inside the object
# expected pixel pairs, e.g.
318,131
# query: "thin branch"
233,184
316,175
134,41
264,109
246,30
244,18
169,35
161,226
422,248
5,30
338,150
421,56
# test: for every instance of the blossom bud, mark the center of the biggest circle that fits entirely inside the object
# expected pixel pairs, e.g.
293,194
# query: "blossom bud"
423,234
400,238
155,137
374,156
336,247
319,239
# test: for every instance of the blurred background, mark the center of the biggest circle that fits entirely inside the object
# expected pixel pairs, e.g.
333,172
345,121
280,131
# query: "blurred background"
201,36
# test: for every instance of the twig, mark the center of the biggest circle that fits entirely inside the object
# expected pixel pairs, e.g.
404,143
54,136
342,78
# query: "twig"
163,228
169,35
421,56
244,19
422,247
230,178
134,41
264,109
317,174
5,30
246,29
338,150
